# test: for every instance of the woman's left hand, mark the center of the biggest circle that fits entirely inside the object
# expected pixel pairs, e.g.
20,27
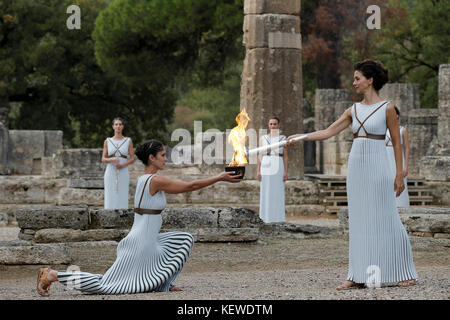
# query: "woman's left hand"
399,185
285,176
120,166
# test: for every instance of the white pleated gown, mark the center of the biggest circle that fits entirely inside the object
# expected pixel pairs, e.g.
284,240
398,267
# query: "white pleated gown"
378,242
116,182
402,200
271,194
146,259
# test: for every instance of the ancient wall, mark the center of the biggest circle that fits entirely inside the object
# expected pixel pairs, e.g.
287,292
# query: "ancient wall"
332,154
272,75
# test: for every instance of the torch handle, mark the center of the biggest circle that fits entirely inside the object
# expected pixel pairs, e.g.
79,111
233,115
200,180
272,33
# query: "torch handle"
275,145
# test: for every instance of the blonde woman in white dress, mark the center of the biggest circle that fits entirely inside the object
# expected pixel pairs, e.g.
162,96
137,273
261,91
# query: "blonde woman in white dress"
403,199
272,172
118,154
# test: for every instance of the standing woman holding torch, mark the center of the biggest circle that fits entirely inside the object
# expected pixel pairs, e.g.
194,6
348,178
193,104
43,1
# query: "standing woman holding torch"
378,239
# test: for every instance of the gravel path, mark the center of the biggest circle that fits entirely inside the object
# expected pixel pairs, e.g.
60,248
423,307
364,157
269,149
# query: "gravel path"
272,268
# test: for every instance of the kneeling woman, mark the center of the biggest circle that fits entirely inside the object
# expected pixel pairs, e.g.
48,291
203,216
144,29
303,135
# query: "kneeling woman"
146,259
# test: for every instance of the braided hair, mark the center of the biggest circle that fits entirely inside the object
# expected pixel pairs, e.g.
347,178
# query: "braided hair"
150,147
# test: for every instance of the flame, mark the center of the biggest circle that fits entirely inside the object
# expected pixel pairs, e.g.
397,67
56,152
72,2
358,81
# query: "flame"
237,139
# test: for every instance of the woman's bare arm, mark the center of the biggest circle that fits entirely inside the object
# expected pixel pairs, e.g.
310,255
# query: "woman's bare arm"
336,127
177,186
406,146
394,129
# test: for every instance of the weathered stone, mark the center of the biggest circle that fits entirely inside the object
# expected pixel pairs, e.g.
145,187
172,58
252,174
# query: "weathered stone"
189,218
73,196
69,235
78,163
4,143
441,235
436,168
111,219
309,147
44,217
85,183
3,219
235,217
290,230
405,96
272,6
29,189
17,254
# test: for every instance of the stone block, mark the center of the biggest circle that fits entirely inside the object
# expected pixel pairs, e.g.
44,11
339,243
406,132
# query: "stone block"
441,236
70,235
272,31
24,146
29,189
85,183
43,254
222,235
79,163
111,219
272,6
290,230
436,168
45,217
237,217
189,218
72,196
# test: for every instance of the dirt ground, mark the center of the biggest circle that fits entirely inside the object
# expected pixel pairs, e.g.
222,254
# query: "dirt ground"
270,269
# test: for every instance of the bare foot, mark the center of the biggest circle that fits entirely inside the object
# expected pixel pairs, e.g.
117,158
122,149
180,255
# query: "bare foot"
406,283
173,288
45,278
347,285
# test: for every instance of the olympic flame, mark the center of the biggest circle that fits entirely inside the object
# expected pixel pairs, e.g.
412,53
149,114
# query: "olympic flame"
237,139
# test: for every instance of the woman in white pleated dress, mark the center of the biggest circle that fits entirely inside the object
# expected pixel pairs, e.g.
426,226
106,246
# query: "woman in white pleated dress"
118,154
272,171
402,200
146,259
379,248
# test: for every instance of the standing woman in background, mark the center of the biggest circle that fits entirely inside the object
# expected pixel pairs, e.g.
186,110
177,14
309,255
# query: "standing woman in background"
403,199
272,172
117,178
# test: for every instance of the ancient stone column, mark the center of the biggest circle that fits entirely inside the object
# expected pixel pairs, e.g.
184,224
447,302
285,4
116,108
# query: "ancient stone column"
272,75
405,96
4,142
332,154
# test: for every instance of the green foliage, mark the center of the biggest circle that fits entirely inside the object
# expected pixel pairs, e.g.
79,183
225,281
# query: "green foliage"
413,42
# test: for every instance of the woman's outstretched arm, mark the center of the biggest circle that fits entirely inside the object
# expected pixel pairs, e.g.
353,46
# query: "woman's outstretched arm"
340,124
177,186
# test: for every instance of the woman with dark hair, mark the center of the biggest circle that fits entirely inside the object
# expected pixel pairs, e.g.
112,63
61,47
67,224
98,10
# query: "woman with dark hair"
146,259
378,241
272,171
402,200
117,178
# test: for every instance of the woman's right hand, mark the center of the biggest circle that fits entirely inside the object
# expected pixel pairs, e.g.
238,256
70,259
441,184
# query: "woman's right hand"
259,176
115,160
230,176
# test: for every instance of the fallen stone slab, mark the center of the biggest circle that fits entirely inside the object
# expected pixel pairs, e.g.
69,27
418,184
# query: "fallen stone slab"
291,230
111,218
69,235
222,234
21,252
45,217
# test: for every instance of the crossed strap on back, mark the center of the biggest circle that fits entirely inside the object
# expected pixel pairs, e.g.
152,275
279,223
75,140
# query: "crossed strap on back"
117,149
368,135
145,211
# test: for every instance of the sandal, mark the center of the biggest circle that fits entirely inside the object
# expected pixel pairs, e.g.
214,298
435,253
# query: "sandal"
406,283
43,285
349,285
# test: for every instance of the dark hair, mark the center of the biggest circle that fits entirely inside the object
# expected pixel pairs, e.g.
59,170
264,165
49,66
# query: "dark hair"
274,117
150,147
118,119
396,110
373,69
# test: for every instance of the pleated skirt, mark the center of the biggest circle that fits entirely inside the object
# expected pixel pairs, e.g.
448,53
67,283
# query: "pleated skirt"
379,245
271,196
146,261
116,184
403,199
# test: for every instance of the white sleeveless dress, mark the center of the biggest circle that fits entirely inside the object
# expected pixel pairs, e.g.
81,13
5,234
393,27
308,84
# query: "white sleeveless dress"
403,199
146,259
116,182
378,242
271,195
